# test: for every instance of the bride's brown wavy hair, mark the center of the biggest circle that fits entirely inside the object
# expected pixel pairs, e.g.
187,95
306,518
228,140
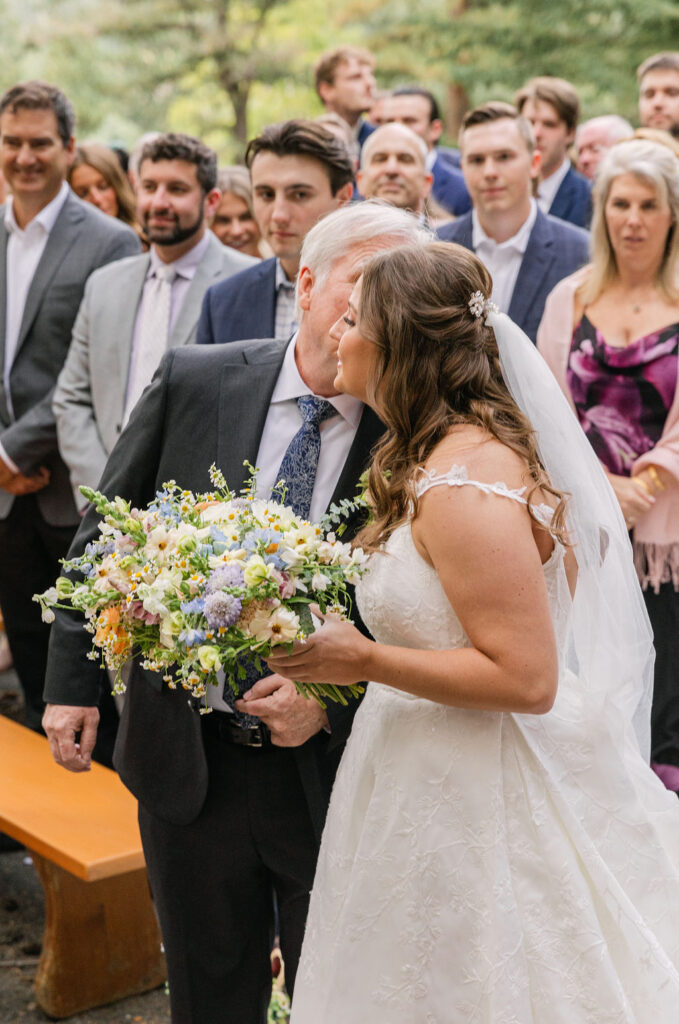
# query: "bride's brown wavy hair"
438,366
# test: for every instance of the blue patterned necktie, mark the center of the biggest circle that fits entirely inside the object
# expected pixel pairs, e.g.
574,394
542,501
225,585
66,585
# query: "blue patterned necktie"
298,469
300,462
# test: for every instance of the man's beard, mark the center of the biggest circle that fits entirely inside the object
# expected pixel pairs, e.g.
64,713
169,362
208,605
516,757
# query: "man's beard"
177,235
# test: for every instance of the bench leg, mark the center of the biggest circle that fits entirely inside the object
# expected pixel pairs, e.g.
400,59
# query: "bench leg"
101,942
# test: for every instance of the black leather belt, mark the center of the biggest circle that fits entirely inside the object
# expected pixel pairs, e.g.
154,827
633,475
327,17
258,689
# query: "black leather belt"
224,725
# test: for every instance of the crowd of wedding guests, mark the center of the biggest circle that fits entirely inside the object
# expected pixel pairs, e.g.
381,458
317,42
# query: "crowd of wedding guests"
110,258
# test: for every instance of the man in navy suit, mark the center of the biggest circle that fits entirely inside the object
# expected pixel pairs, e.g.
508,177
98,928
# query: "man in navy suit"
552,107
345,83
418,110
300,172
526,251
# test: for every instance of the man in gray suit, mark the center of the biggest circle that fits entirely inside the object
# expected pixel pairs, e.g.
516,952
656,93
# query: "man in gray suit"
50,242
112,355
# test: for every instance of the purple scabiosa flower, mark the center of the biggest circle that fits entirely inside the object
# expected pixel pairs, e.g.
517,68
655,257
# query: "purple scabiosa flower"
229,576
222,610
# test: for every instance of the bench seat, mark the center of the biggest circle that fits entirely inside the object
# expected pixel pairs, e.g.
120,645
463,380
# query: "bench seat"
101,938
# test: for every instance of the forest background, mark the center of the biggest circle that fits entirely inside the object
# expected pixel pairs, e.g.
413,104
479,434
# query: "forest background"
222,69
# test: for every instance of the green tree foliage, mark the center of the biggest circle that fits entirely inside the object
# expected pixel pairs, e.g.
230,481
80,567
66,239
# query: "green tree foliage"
490,47
223,69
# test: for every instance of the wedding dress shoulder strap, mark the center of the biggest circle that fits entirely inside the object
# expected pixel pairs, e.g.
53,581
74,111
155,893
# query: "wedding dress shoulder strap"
457,476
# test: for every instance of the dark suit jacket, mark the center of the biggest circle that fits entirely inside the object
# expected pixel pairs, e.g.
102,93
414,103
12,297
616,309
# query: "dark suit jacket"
450,156
449,189
81,240
203,406
573,201
365,129
242,307
555,250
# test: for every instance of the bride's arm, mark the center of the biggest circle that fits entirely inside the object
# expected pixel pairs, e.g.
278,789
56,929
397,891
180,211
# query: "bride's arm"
484,552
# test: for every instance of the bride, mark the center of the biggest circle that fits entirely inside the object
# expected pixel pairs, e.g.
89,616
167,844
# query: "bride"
497,850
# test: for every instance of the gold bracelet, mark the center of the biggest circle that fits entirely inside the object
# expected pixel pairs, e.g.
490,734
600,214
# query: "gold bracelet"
657,482
642,483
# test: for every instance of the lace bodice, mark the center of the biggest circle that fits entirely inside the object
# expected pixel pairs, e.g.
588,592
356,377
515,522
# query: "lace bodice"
401,599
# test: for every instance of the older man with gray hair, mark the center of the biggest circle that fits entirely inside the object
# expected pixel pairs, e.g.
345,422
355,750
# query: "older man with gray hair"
394,168
232,804
594,138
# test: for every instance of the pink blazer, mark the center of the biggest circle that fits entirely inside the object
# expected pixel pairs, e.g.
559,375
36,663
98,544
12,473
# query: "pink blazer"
656,535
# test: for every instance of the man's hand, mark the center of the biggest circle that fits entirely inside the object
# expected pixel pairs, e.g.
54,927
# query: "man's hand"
61,722
18,483
291,718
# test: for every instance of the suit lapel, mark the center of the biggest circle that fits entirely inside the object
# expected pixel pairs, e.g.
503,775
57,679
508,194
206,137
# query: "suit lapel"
535,265
129,285
244,396
62,236
207,272
4,409
370,429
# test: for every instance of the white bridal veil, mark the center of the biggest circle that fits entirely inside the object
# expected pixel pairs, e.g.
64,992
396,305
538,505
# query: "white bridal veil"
610,643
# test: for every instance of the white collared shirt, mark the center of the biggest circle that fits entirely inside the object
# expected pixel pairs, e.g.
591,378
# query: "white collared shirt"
25,247
548,188
503,259
284,420
185,268
285,317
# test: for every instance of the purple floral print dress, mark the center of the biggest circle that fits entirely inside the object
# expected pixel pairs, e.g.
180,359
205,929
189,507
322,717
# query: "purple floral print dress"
622,395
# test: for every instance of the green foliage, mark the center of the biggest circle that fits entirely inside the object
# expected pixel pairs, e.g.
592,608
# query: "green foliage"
223,69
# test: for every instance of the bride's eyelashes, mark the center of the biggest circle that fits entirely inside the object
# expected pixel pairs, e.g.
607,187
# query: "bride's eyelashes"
348,321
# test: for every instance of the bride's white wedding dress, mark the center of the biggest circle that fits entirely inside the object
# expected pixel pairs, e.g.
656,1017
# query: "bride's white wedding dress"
487,868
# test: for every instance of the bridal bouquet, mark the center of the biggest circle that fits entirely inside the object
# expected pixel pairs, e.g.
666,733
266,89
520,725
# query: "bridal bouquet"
197,583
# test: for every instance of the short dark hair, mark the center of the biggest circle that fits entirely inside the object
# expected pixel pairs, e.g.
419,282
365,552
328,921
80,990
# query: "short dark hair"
36,95
177,146
415,90
305,138
668,60
559,93
496,110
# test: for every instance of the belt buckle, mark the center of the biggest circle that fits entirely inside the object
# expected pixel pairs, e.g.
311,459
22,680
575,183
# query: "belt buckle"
255,737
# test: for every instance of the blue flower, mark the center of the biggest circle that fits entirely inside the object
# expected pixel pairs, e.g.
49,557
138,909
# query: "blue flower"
222,610
193,607
191,637
229,576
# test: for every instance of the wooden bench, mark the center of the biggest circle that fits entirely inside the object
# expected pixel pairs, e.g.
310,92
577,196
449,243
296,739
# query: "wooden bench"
101,937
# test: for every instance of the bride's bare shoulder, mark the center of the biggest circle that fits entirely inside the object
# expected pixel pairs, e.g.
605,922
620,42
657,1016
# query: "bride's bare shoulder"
484,457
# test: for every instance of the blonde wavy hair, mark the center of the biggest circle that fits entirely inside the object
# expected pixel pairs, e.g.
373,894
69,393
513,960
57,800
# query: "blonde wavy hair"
438,366
656,164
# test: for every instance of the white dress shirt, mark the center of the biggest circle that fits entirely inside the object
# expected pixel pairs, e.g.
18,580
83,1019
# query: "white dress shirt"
503,259
282,423
25,247
185,268
548,188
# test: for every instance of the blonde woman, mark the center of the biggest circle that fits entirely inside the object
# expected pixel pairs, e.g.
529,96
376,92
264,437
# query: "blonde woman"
610,333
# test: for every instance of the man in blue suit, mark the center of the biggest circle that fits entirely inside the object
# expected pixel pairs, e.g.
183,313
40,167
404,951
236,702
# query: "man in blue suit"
418,110
526,251
345,82
552,107
300,172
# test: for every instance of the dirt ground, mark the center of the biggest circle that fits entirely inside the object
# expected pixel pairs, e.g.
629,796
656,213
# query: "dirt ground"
22,916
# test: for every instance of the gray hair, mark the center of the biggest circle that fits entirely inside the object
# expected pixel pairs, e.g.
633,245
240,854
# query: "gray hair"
657,165
342,230
616,127
374,139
